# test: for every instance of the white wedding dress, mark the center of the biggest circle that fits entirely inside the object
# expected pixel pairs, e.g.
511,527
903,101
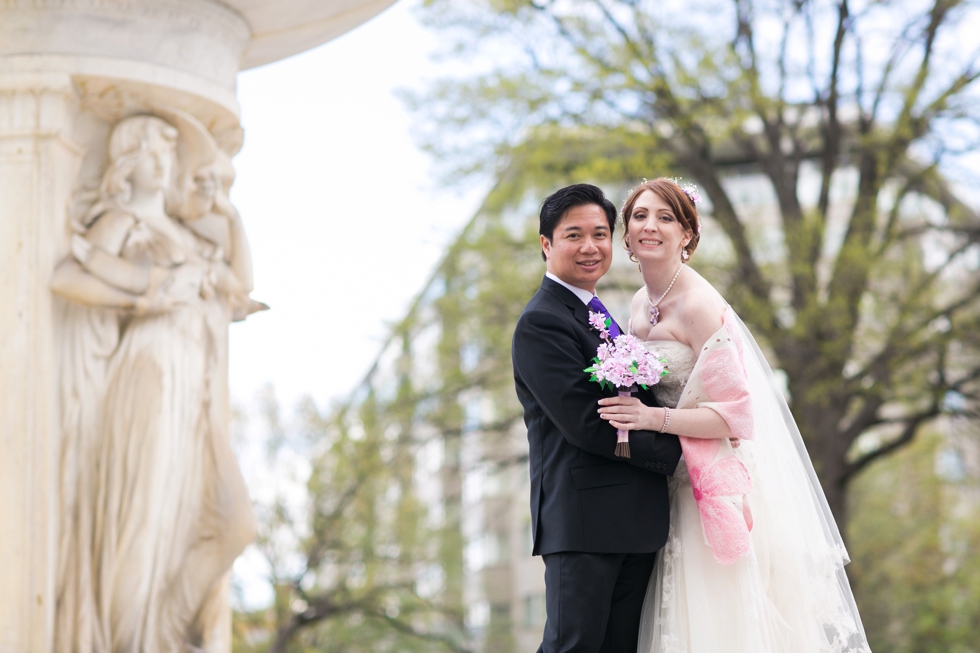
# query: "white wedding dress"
789,594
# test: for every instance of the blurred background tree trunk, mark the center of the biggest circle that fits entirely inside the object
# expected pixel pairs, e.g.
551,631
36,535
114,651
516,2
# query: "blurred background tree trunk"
834,144
859,118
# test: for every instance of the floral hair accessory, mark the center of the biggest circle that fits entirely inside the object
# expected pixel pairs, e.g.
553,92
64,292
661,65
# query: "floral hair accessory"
689,189
692,192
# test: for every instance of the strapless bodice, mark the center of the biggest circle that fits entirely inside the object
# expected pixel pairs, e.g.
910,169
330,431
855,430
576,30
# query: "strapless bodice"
680,363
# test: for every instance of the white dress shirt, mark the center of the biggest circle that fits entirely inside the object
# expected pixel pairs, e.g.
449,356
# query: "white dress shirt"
582,294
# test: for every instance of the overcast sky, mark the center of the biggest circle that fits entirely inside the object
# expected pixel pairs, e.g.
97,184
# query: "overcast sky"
345,218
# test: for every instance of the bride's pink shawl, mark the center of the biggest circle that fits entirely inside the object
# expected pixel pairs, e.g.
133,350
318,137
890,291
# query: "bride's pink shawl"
718,478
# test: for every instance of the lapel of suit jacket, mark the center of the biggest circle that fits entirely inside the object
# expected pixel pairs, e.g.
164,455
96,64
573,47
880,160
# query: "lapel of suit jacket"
580,310
567,297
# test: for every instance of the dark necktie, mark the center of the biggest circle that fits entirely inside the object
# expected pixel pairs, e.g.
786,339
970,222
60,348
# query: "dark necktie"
597,307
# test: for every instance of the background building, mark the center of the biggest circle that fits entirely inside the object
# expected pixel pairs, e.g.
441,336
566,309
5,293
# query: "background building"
447,364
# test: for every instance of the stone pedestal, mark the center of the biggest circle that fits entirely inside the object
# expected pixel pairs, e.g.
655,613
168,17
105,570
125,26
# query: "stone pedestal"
70,69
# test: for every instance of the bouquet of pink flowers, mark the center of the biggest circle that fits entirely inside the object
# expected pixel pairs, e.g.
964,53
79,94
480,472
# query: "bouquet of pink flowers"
623,363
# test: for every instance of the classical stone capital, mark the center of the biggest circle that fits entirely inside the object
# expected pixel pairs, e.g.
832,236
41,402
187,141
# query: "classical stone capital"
202,37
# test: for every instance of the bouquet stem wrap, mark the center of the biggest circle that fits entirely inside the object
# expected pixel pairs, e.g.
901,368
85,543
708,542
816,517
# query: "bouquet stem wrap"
622,363
623,435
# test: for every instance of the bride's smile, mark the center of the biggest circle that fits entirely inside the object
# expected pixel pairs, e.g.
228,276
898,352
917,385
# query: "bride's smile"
655,235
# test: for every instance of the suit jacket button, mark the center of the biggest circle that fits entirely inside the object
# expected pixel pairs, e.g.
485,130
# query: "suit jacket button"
647,464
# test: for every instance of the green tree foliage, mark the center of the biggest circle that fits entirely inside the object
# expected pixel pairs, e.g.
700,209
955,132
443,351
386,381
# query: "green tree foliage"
365,510
858,268
852,117
349,555
915,533
358,563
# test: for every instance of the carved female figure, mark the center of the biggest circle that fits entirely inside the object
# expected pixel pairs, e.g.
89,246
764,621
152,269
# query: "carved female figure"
157,507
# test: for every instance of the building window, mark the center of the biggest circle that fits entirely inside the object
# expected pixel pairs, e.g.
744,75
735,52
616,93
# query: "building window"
488,550
498,549
534,611
500,614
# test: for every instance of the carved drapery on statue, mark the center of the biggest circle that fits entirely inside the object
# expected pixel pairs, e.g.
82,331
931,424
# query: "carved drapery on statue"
153,506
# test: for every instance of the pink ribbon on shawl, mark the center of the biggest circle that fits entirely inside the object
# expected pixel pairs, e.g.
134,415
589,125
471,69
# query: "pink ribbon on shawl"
724,381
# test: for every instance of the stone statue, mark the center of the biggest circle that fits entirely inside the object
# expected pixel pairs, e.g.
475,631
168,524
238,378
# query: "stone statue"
153,506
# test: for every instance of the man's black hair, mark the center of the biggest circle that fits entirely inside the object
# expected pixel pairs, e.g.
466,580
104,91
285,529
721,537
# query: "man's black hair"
556,205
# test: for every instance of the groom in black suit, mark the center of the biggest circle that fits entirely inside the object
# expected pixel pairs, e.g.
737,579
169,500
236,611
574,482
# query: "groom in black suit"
597,519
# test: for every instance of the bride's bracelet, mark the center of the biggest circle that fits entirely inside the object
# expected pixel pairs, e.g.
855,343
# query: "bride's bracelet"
663,429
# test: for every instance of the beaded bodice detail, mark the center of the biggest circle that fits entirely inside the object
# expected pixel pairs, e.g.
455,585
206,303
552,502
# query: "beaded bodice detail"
680,363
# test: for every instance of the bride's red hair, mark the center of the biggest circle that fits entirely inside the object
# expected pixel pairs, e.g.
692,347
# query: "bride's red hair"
679,201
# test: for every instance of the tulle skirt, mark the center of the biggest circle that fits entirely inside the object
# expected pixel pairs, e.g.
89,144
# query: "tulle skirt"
790,593
767,602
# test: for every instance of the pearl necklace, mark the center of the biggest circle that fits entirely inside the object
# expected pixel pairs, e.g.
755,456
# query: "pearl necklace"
654,311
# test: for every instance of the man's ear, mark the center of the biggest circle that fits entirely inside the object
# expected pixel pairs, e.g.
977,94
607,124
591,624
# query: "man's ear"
545,247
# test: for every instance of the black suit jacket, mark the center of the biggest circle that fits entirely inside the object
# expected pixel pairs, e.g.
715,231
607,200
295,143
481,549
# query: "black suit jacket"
583,497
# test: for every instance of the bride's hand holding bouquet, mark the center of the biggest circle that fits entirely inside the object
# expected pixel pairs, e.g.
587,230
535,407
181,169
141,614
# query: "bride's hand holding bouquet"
623,364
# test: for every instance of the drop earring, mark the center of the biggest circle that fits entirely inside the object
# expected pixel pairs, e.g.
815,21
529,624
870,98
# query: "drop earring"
630,254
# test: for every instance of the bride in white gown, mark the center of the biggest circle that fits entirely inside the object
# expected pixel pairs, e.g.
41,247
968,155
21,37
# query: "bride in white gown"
754,562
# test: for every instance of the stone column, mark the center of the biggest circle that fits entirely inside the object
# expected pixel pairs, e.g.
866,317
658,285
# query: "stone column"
38,160
70,69
63,67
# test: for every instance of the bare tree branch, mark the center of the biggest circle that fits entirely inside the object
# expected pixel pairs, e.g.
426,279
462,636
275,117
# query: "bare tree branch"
832,129
907,435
